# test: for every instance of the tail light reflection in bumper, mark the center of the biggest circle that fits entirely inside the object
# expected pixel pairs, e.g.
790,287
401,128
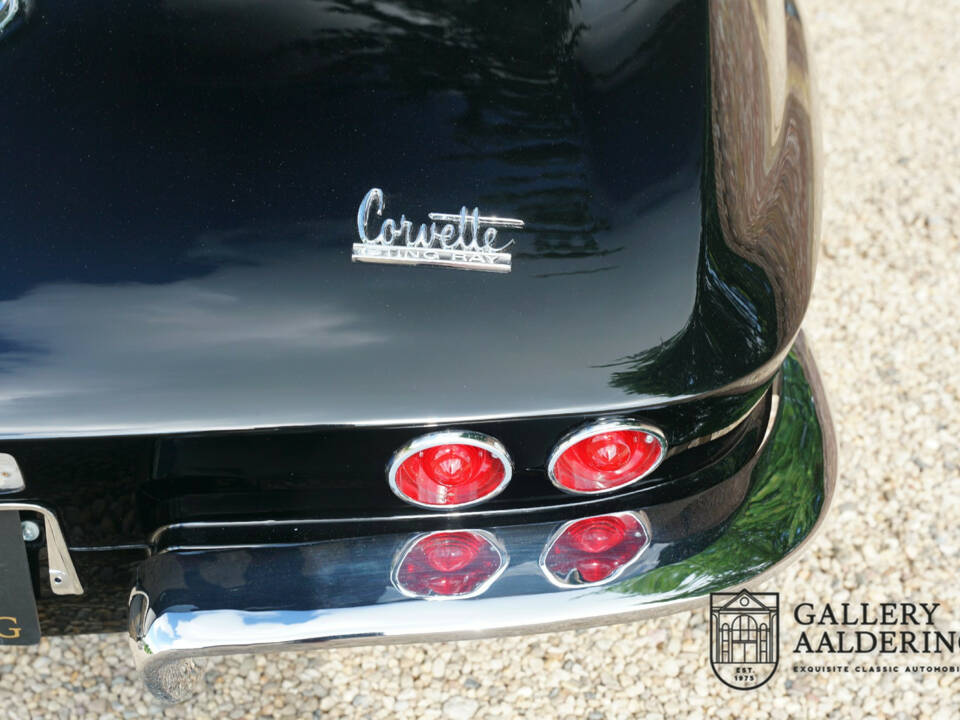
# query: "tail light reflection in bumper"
594,550
449,564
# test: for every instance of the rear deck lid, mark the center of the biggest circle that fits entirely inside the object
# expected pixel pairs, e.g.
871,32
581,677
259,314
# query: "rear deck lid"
179,195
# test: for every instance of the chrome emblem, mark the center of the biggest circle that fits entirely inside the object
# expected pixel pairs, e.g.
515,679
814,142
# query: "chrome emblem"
467,240
8,11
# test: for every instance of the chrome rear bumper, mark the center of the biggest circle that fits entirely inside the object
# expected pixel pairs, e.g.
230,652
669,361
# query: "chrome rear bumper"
192,603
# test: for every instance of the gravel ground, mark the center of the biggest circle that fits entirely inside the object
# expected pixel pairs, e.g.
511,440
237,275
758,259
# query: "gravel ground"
884,326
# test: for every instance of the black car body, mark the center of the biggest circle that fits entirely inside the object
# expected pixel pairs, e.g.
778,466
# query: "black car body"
202,391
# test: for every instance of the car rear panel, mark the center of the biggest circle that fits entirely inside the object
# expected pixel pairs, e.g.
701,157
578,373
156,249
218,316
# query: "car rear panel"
199,383
181,183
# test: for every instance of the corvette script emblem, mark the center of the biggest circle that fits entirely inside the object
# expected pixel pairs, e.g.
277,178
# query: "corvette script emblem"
467,240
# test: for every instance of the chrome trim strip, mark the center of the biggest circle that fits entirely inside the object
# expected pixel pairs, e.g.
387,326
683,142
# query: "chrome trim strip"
450,437
640,516
158,533
716,434
595,428
442,257
514,223
479,590
63,576
110,548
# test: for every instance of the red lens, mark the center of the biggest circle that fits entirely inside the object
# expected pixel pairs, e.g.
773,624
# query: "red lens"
451,474
595,549
449,564
606,459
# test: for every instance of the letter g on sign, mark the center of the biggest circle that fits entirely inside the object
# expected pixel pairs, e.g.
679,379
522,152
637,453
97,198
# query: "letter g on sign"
9,629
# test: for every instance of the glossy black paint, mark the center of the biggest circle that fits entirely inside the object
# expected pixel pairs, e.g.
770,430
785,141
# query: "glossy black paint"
182,331
181,180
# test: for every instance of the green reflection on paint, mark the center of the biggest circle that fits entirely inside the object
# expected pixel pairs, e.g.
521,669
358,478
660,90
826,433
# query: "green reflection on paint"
782,507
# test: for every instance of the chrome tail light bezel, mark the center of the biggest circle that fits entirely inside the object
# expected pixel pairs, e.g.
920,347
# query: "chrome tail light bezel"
450,437
596,428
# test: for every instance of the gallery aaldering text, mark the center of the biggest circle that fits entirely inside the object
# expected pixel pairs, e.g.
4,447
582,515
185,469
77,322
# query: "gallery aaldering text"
868,636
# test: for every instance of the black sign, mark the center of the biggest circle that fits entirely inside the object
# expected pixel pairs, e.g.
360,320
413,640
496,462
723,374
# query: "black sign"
18,609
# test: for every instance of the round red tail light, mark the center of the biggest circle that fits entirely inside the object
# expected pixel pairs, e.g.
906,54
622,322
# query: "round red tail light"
449,564
594,550
450,469
605,456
